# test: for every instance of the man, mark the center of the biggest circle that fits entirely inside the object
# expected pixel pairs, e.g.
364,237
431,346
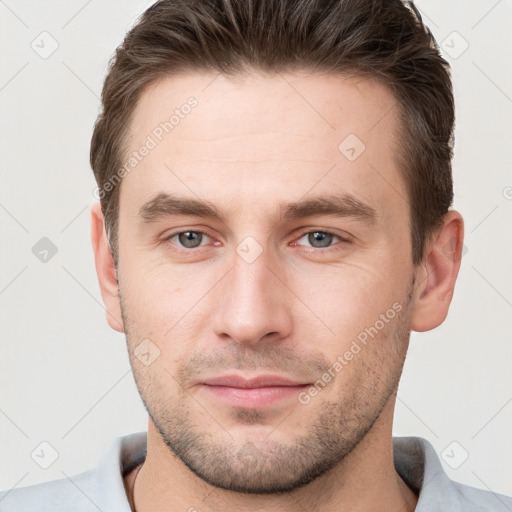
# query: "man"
275,187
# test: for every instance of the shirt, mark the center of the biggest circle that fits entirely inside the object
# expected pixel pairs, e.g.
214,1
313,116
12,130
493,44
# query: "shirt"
102,488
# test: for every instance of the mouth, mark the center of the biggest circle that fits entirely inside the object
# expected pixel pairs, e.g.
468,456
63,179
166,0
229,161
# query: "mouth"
256,392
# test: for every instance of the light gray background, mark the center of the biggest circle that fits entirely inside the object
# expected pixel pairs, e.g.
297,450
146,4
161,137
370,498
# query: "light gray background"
65,376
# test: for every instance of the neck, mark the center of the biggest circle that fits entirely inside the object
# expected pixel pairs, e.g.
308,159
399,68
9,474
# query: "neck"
366,480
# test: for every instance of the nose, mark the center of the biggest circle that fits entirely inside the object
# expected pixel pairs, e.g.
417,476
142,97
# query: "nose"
253,303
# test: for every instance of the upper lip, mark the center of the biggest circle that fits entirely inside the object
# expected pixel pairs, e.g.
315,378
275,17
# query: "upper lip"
259,381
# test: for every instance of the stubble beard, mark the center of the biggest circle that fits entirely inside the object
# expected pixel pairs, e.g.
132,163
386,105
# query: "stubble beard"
271,466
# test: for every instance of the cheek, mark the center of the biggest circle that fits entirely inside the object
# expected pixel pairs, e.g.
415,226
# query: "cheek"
346,299
150,288
165,308
371,360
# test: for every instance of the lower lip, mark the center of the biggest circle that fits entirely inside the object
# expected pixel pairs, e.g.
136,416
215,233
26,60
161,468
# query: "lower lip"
253,397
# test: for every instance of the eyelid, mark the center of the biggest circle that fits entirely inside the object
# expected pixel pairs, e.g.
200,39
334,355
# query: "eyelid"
343,236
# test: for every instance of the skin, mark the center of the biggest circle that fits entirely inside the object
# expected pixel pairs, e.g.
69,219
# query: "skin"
251,143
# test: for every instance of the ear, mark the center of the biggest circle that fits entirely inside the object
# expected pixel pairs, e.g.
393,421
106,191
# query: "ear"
438,273
105,269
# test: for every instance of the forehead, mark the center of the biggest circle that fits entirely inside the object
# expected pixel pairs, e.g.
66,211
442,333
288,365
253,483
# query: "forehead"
252,140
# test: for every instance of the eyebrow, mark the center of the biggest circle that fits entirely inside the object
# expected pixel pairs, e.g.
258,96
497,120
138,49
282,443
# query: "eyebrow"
340,205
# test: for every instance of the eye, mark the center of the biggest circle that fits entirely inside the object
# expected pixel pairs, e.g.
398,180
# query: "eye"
321,239
317,239
188,239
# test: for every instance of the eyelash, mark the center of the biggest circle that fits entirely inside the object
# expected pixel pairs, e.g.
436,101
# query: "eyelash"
322,249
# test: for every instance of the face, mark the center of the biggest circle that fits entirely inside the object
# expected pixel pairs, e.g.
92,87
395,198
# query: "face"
265,271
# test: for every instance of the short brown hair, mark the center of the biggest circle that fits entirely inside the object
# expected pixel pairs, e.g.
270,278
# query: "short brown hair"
384,39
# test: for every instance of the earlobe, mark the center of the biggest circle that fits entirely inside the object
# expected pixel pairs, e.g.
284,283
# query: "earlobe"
105,269
438,274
